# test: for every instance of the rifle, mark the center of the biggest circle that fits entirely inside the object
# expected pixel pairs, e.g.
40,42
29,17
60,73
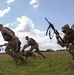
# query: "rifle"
3,45
55,31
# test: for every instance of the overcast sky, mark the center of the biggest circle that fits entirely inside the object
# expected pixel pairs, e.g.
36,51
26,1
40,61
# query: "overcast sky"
27,17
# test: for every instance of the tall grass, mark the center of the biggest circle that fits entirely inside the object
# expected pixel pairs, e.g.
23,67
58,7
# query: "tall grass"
56,63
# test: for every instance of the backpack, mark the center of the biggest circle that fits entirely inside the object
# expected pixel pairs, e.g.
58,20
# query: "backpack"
10,30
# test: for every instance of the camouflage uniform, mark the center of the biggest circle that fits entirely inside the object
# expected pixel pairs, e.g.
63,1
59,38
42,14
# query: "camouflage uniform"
34,45
13,46
68,40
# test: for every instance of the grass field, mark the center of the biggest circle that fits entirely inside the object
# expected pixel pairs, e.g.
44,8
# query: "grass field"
56,63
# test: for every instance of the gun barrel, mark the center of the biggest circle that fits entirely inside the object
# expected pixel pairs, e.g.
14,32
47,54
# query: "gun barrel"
47,20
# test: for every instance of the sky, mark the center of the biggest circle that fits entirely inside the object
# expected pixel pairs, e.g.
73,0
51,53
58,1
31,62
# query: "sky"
27,18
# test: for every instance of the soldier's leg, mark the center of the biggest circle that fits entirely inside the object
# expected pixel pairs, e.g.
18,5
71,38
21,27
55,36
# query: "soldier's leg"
24,54
39,52
8,50
15,46
12,55
31,52
33,55
19,56
15,60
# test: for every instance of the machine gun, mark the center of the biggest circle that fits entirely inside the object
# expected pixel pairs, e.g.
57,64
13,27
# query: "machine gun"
55,31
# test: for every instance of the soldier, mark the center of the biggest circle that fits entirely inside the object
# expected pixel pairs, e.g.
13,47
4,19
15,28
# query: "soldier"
68,39
34,45
13,45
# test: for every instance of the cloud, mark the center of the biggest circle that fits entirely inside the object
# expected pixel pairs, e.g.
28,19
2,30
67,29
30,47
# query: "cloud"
34,3
10,1
9,24
24,24
5,11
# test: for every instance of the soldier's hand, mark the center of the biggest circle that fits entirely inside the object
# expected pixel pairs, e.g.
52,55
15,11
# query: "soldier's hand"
25,46
70,44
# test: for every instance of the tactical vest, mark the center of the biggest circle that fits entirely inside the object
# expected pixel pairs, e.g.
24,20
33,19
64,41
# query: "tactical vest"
5,34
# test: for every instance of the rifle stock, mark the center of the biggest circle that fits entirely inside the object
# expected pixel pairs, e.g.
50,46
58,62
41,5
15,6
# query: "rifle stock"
55,31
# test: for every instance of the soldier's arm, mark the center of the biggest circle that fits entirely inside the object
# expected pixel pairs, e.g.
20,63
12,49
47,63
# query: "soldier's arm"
25,46
28,43
60,42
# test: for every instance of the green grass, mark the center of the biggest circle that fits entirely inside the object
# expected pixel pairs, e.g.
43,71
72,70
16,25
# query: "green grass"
56,63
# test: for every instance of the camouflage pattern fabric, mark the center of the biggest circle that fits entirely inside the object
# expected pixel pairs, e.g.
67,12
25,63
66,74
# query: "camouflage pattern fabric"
34,45
67,40
13,46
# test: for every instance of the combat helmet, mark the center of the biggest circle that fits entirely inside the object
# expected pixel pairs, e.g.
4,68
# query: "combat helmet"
66,26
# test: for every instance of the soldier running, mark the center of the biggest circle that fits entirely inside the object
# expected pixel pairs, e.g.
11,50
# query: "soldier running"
13,46
34,45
